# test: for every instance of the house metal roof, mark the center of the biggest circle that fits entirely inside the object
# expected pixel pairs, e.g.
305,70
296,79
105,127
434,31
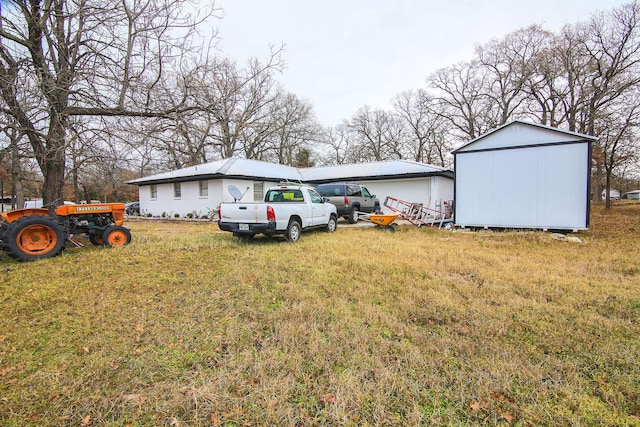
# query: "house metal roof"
229,168
373,170
245,168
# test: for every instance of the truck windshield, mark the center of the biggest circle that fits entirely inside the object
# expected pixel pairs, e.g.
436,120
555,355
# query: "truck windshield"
284,195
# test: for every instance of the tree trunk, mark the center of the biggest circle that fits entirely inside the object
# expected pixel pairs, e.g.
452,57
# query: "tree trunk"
607,189
17,195
53,165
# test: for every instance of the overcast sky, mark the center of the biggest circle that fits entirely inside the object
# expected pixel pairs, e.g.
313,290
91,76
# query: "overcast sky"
344,54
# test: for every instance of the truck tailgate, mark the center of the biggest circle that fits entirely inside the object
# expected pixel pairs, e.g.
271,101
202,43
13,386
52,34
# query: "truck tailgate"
243,212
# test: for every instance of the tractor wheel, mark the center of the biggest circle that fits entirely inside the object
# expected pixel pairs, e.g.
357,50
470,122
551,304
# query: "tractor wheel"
116,235
34,237
96,240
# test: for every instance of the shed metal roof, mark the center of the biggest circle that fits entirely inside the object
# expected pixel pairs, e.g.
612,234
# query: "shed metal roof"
519,133
245,168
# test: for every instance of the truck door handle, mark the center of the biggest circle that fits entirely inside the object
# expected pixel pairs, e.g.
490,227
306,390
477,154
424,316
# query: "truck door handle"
243,208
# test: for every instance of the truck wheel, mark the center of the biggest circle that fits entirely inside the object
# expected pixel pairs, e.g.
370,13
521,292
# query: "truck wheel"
116,235
293,231
353,215
332,224
34,237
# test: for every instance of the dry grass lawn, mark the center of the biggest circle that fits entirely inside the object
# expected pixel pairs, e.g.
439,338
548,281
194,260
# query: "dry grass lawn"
188,327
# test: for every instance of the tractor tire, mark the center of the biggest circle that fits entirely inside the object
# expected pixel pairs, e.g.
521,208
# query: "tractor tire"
116,235
34,237
96,240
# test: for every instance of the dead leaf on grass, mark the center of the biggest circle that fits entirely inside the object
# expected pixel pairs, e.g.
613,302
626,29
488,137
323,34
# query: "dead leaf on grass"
139,332
508,417
5,370
134,399
328,399
477,406
86,421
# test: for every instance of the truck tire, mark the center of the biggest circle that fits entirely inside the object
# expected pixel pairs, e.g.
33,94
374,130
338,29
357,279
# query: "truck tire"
34,237
116,235
294,229
353,215
332,224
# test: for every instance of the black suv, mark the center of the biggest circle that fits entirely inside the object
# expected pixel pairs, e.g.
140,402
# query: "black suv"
349,199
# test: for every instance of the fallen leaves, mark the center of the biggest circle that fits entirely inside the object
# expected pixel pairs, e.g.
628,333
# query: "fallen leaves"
478,407
139,332
327,399
222,417
86,421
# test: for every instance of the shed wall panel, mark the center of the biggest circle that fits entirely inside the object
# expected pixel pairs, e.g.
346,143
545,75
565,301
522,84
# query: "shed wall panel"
534,187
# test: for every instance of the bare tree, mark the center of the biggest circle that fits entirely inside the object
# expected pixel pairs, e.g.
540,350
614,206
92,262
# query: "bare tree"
294,130
619,139
238,100
609,47
335,142
376,135
463,101
87,59
509,64
428,140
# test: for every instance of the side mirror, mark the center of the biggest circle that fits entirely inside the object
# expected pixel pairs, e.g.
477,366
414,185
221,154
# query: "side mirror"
325,199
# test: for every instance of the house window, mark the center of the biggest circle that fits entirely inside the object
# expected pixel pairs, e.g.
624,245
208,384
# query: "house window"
204,188
177,190
153,191
258,191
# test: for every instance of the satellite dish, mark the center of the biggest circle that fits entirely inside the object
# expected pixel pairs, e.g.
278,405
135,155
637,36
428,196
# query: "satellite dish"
235,192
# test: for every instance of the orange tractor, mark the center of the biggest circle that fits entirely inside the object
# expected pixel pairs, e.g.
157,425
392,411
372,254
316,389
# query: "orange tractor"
30,234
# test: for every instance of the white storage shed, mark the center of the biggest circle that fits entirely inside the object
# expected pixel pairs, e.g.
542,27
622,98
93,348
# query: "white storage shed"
524,175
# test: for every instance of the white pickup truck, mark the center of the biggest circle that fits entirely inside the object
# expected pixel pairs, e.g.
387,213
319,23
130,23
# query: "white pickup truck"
287,210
